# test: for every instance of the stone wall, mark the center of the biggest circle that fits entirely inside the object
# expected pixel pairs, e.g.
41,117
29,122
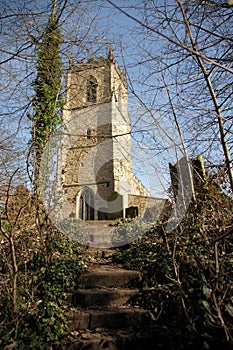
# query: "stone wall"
97,142
148,207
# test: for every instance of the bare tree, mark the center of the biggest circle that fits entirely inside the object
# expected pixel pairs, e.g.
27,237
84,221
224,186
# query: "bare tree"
187,47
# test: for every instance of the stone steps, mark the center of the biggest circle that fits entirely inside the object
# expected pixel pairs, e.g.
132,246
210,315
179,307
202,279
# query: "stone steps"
110,318
101,317
102,297
104,276
100,253
98,236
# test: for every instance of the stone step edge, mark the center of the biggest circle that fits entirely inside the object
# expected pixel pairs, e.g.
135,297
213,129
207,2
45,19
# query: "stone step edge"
103,297
106,290
110,272
106,274
120,308
108,317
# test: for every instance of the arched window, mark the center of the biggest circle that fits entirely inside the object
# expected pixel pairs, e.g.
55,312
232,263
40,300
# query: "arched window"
92,89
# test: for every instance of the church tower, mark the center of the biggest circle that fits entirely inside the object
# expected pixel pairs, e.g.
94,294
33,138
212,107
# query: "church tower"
97,168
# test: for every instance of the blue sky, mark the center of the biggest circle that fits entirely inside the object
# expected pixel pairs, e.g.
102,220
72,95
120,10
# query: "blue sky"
103,25
88,29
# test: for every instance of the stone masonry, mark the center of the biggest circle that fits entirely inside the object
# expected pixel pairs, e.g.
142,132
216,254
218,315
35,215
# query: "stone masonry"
97,167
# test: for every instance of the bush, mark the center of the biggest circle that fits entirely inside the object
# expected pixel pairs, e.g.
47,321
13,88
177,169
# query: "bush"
187,275
40,321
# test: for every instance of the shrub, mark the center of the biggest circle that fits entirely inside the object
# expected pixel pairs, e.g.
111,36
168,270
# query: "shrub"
40,321
187,275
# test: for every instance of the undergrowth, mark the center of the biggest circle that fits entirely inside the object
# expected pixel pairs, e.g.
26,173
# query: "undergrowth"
187,275
45,275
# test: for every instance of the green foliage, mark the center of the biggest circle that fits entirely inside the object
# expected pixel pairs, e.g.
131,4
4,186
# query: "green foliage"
45,326
47,100
5,225
41,320
129,229
187,275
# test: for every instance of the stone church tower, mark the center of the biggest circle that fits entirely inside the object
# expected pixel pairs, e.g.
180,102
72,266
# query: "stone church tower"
97,168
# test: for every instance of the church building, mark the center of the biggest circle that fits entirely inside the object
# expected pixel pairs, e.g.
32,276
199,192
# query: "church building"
97,168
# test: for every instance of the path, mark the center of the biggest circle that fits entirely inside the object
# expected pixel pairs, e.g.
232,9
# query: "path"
102,317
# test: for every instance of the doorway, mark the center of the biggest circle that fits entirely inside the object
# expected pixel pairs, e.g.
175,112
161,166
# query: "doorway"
86,211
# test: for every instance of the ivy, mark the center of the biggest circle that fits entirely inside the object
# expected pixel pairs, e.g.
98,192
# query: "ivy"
47,102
